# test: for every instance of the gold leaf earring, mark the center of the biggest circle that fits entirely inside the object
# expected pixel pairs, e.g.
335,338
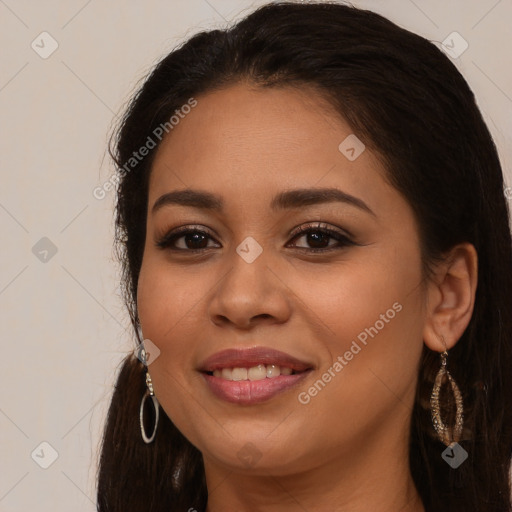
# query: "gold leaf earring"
447,435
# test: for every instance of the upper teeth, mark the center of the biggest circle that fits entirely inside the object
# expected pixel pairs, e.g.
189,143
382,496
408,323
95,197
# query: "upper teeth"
259,372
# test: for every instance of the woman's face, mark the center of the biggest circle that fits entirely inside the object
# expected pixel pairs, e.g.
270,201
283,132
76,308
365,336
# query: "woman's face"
343,303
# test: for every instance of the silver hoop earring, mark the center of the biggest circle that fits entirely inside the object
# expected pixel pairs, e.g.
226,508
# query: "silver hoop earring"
149,392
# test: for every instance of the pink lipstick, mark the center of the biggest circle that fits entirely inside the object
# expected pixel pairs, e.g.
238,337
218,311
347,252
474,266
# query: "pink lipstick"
252,376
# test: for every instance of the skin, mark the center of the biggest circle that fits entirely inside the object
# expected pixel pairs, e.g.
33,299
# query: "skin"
347,449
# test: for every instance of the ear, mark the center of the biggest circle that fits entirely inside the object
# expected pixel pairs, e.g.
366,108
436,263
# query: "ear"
451,298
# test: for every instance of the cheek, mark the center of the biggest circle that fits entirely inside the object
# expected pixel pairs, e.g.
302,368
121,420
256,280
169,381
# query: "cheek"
360,298
168,303
373,311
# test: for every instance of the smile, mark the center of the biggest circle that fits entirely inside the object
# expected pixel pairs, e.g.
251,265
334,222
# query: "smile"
259,372
252,376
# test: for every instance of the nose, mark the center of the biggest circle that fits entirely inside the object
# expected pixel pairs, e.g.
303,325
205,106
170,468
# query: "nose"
250,293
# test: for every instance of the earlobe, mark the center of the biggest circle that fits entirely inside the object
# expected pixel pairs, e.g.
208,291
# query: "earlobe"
451,298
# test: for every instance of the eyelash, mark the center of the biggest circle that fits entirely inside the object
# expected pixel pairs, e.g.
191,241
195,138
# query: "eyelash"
166,241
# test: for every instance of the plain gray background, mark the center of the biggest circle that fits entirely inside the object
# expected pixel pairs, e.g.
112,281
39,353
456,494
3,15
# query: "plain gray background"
66,330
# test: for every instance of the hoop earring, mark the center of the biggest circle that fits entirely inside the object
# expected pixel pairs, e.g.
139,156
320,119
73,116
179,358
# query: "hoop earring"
447,435
149,392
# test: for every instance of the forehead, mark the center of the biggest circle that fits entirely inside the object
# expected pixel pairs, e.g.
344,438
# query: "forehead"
247,138
241,117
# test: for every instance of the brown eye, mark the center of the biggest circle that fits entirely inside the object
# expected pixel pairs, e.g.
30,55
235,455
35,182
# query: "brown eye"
318,236
317,239
193,240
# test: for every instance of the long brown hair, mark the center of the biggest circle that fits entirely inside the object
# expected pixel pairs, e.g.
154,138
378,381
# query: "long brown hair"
405,100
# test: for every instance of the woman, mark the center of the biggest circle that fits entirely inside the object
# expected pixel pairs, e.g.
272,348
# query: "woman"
316,254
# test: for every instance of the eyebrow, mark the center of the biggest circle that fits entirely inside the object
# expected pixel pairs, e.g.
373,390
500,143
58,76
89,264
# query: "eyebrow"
287,199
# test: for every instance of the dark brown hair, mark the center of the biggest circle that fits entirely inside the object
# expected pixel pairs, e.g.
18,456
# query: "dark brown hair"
405,100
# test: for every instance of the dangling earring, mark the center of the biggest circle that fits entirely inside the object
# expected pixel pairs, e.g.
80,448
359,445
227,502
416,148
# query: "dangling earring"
447,435
149,392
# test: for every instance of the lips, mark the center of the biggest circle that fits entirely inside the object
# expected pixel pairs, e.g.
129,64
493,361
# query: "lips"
251,392
250,357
